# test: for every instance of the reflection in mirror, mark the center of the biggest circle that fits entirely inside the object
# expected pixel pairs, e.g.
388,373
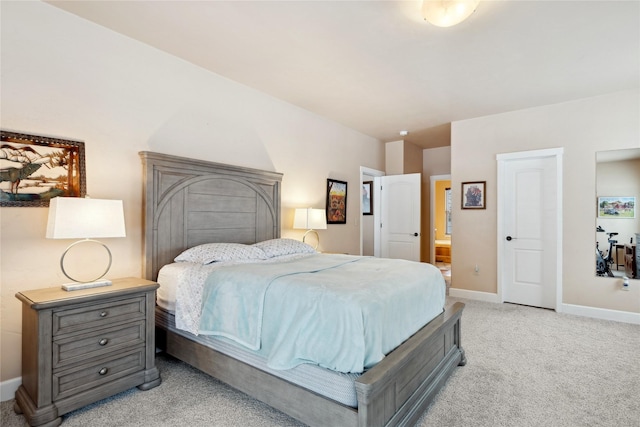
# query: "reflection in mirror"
618,220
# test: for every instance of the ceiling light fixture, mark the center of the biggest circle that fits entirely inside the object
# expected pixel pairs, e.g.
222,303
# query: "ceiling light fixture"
404,132
446,13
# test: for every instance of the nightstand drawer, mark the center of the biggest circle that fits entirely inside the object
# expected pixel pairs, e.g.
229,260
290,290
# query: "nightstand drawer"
79,348
98,315
79,379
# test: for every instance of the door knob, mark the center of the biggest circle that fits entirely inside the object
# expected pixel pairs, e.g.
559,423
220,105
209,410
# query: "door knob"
415,234
509,238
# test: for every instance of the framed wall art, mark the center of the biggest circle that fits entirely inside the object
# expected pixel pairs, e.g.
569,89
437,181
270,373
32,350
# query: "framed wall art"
616,207
367,198
34,169
473,195
336,202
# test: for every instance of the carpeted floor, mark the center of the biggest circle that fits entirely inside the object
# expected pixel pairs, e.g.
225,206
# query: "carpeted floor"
526,367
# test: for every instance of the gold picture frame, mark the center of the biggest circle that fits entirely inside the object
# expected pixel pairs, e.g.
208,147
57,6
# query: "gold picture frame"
34,169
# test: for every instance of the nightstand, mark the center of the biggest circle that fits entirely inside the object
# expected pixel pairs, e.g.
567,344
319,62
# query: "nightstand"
82,346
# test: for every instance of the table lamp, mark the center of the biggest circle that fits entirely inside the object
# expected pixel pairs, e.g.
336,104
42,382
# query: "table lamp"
311,220
86,219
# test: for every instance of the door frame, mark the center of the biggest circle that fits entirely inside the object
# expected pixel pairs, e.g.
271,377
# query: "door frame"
432,214
502,159
376,207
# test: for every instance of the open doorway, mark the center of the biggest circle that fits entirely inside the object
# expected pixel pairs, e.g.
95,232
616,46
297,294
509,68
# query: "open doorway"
441,229
400,236
369,224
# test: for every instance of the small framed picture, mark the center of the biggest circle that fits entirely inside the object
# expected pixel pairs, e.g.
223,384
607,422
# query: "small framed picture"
616,207
367,198
473,195
336,202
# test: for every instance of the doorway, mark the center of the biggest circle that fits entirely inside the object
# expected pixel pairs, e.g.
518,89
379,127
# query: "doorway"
440,224
370,224
399,236
530,228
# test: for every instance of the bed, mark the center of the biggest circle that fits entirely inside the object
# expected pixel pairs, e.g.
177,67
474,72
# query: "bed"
190,202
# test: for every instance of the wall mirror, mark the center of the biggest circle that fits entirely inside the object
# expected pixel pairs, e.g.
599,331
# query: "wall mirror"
447,210
617,214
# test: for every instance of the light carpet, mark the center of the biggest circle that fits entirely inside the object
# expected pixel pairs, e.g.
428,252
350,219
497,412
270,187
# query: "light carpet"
526,367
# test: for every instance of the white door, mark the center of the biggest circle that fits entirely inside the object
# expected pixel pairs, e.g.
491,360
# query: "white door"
400,216
530,231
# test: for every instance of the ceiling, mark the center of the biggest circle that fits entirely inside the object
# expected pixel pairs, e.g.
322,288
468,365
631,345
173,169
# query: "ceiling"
377,67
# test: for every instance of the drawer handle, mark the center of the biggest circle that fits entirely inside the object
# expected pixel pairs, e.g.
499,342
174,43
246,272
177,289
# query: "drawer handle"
103,371
103,341
103,314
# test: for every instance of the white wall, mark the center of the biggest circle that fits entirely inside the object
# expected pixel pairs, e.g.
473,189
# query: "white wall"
66,77
582,127
394,157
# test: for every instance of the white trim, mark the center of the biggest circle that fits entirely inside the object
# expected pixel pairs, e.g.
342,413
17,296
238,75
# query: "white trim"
8,388
474,295
574,310
432,211
547,152
558,154
602,313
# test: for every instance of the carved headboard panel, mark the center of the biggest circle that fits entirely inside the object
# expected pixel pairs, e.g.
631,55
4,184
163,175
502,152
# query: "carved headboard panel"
188,202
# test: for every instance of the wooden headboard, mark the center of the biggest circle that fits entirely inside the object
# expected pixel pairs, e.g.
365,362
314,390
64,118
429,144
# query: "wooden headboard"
188,202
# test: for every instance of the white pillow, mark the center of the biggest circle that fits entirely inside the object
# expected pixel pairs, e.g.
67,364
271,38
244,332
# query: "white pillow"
213,252
277,247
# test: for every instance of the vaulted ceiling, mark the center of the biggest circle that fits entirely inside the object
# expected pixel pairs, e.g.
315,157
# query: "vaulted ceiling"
378,67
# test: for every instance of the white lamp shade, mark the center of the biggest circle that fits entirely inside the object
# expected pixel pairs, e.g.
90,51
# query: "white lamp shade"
84,218
310,219
446,13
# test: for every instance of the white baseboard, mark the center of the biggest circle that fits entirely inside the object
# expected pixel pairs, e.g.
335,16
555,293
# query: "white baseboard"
8,388
601,313
577,310
475,295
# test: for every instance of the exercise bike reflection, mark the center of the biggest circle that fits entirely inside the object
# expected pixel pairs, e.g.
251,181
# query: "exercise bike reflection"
605,261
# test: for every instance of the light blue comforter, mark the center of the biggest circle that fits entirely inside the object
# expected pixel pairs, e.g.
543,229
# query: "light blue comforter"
338,311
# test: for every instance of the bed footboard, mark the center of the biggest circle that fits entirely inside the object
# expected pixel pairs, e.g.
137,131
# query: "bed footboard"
396,391
399,389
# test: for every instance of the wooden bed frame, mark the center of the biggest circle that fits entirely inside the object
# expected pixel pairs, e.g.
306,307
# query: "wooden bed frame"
189,202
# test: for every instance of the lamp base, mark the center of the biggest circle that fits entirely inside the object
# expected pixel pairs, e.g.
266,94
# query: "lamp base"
317,238
75,286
